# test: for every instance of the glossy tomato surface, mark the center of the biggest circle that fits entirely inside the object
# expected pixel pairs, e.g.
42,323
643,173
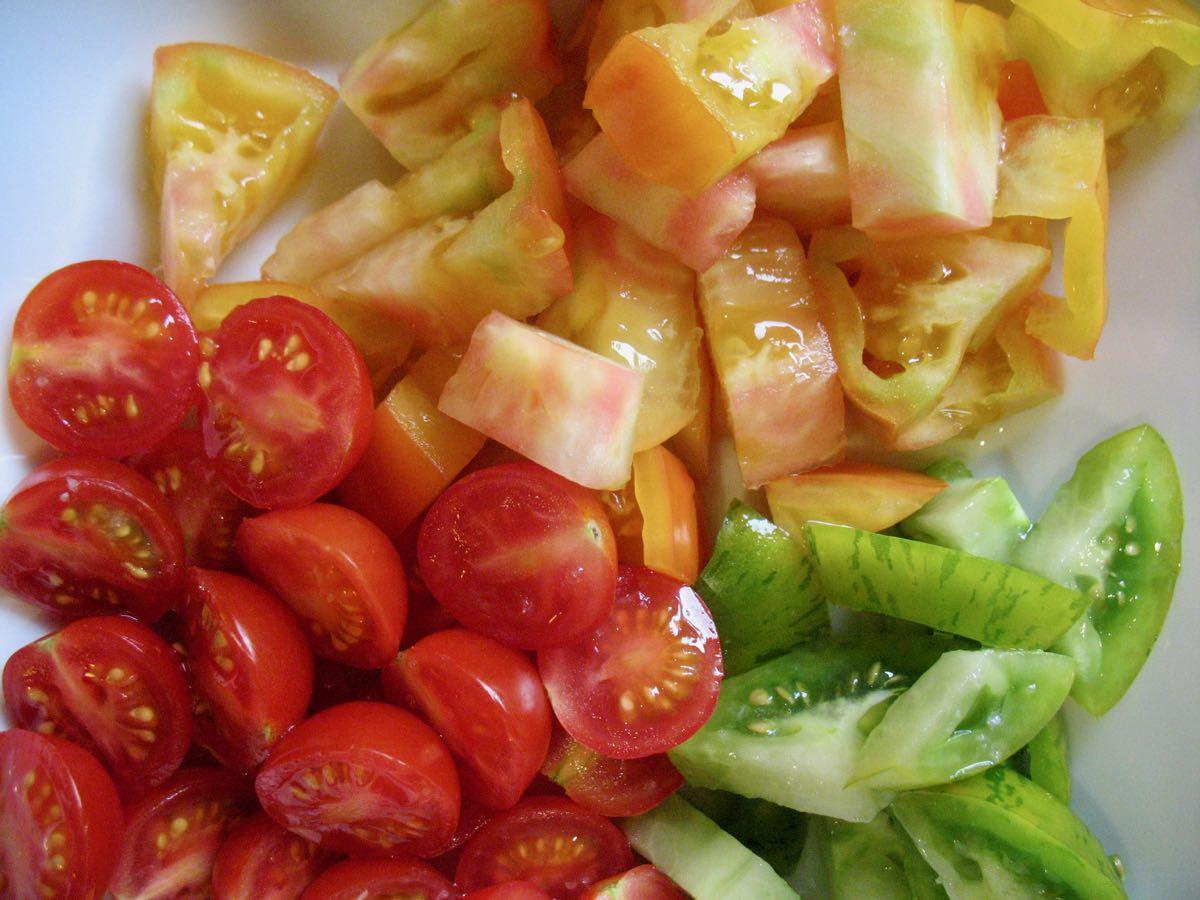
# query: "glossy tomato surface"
287,402
647,678
62,819
87,536
611,787
104,359
354,879
261,860
520,554
112,686
366,779
509,890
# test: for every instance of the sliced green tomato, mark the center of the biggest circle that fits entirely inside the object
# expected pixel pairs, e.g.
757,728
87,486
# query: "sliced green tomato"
1113,531
972,710
761,591
995,604
874,860
772,832
1000,835
1044,760
790,731
980,516
702,859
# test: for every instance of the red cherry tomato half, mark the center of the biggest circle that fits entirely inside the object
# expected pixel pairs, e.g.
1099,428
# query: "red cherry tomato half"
104,359
86,536
510,890
61,819
262,861
250,665
641,883
520,554
488,704
550,841
646,679
610,787
355,879
338,573
208,513
173,833
287,403
364,779
112,686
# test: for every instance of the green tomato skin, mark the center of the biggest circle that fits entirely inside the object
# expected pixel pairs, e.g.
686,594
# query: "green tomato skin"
772,832
980,516
1000,835
1113,531
1045,760
875,859
761,591
995,604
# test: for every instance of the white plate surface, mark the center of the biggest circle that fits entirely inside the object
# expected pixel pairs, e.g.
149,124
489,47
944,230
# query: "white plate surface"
73,181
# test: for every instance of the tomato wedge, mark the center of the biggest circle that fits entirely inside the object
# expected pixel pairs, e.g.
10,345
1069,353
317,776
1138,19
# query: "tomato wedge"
85,536
62,819
642,883
611,787
103,359
355,879
110,685
260,859
863,495
647,678
287,402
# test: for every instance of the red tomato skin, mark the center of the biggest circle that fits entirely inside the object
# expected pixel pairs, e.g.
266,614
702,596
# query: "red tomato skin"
610,787
250,665
68,682
425,614
509,890
640,883
330,564
90,818
1019,93
157,857
260,859
487,524
258,391
596,687
354,879
126,311
410,772
487,703
492,856
54,556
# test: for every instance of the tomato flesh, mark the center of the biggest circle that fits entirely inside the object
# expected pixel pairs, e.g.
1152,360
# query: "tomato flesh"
260,859
403,879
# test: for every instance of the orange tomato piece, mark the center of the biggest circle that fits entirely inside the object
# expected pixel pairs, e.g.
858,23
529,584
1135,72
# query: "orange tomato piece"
666,497
862,495
1019,92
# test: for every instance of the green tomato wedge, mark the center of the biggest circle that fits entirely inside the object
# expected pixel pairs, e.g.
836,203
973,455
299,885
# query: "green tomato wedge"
761,591
697,855
995,604
972,710
1114,532
1000,835
772,832
1044,760
980,516
875,859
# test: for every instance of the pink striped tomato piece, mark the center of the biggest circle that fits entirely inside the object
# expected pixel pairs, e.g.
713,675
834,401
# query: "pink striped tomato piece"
803,177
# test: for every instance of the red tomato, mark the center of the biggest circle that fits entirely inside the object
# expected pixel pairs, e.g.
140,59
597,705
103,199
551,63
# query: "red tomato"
85,536
1019,94
425,614
208,513
111,685
642,883
647,678
338,573
365,779
611,787
173,833
520,554
104,359
334,683
250,666
261,860
355,879
61,819
509,890
287,402
552,842
487,703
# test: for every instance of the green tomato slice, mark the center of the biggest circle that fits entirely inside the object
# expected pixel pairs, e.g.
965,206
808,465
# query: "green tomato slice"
875,859
1044,760
980,516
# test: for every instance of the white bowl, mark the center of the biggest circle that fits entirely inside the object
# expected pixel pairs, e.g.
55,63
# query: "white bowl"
73,179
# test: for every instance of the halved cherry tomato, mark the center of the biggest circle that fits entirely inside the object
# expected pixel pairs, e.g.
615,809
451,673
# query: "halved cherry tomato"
642,883
550,841
250,665
356,879
260,859
208,513
84,536
610,787
61,819
110,685
366,779
103,359
509,890
338,573
487,703
172,834
520,554
647,678
287,402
